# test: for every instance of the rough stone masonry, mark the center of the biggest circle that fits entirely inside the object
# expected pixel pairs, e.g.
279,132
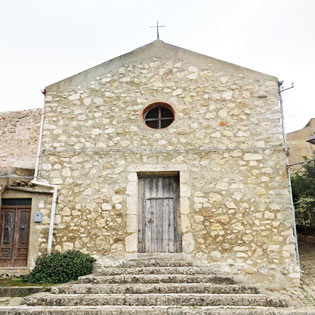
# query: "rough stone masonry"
225,143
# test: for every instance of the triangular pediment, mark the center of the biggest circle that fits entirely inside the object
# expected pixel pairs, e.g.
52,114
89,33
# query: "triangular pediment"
156,49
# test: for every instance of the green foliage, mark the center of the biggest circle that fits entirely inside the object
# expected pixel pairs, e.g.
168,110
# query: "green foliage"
60,267
305,212
303,188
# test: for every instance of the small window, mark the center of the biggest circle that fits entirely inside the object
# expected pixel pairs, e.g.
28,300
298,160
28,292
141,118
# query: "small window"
158,115
16,201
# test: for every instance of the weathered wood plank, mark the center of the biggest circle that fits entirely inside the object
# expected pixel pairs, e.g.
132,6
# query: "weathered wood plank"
158,208
141,223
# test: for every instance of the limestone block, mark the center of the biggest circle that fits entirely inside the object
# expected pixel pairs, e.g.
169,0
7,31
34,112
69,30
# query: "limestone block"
184,177
215,255
269,215
132,189
117,198
67,246
122,70
132,223
222,186
106,206
185,223
193,76
132,177
241,254
185,190
224,219
177,92
224,79
100,222
188,243
125,79
231,205
237,226
252,156
227,95
131,243
240,248
216,134
106,80
237,195
74,97
193,69
56,181
247,238
265,179
216,226
132,204
273,248
216,96
184,206
200,199
198,218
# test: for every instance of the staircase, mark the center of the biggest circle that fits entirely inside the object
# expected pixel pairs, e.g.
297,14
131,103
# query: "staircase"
152,285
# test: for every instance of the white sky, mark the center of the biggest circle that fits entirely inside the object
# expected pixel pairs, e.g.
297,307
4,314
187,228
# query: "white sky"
44,41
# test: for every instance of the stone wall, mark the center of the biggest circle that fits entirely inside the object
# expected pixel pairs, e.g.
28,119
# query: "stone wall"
19,133
225,143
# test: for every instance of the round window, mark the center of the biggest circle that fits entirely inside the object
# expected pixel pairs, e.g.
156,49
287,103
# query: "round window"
158,115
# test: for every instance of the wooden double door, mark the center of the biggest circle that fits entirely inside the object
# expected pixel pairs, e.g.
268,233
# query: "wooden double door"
159,218
14,235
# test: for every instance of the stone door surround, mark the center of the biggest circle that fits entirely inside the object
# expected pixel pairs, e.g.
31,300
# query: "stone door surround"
131,241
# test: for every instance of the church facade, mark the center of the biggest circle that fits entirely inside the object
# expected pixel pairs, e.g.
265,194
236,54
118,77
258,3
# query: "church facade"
163,150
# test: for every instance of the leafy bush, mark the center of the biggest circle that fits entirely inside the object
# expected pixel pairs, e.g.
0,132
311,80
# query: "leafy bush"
60,267
305,212
303,187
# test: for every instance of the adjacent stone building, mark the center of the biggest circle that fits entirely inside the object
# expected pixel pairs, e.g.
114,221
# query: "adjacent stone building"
19,199
166,150
298,145
19,137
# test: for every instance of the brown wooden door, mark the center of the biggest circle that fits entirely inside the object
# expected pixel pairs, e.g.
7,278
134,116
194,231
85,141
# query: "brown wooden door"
159,230
14,235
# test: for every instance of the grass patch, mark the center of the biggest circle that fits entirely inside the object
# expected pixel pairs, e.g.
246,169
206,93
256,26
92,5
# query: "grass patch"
18,282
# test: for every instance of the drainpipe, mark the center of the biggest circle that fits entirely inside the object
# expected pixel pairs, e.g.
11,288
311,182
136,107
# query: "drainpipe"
289,177
40,139
53,187
52,211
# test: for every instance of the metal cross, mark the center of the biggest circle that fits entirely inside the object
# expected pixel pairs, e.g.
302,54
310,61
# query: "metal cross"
157,29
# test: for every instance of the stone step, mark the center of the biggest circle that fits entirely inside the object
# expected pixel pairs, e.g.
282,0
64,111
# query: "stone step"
153,288
20,291
156,270
99,267
154,300
165,278
157,263
150,310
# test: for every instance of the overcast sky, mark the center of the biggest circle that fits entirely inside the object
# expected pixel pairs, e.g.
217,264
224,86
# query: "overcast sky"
44,41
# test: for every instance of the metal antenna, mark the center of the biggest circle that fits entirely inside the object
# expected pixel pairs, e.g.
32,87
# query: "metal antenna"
157,29
282,89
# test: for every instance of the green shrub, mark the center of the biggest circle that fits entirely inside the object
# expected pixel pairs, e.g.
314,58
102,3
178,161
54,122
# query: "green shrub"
60,267
303,187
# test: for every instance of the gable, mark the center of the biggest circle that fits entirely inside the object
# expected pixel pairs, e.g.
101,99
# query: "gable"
157,49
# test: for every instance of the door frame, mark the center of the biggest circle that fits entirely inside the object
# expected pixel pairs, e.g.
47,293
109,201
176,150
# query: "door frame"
131,239
142,212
